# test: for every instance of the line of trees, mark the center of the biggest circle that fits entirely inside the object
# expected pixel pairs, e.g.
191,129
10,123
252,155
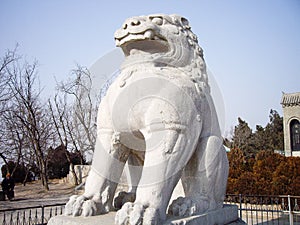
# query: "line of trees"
254,166
31,127
269,137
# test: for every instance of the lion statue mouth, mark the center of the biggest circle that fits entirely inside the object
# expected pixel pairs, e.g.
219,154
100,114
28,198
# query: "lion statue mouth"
135,44
142,35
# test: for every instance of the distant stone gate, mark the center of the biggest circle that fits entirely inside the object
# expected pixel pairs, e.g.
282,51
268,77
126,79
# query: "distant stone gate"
291,123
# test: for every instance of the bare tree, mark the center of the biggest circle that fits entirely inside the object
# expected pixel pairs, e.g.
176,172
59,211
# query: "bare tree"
32,113
6,63
82,124
59,113
13,137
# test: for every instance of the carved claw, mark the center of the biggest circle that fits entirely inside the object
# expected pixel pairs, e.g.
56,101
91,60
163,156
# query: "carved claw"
137,214
77,207
188,206
83,206
69,205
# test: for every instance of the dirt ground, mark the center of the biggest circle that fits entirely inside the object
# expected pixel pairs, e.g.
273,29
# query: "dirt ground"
36,190
34,194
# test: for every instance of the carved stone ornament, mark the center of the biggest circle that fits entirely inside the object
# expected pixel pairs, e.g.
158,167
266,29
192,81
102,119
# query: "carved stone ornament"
157,121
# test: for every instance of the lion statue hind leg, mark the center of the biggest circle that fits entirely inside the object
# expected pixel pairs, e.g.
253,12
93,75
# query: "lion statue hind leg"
204,179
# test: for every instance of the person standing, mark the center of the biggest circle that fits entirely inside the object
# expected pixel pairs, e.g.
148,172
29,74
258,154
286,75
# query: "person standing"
8,185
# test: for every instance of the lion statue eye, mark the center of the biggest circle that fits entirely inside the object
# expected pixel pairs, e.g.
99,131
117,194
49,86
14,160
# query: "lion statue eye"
157,20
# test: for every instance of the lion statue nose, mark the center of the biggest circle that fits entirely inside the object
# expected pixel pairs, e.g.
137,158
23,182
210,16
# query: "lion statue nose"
132,22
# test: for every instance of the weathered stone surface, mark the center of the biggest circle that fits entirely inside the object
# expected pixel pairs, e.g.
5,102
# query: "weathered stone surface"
228,215
238,222
157,118
106,219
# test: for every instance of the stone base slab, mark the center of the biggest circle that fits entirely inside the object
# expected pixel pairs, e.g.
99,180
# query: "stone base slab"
106,219
227,215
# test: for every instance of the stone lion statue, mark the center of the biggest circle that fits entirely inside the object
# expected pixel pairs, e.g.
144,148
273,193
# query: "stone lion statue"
158,121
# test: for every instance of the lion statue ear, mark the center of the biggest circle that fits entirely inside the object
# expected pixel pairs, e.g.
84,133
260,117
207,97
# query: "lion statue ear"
185,23
181,21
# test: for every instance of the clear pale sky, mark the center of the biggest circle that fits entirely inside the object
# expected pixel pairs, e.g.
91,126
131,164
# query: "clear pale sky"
251,47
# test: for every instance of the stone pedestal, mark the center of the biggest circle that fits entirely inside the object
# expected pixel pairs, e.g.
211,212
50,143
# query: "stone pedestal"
227,215
106,219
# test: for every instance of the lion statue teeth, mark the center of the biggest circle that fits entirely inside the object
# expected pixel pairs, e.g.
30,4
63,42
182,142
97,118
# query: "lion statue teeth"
157,121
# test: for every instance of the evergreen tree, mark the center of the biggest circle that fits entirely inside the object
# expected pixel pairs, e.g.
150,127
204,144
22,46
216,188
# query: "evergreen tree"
267,138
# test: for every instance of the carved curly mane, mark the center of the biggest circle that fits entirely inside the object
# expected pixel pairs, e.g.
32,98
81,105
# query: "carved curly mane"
163,41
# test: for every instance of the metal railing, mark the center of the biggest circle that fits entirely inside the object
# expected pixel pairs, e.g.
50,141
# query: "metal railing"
36,215
258,210
277,210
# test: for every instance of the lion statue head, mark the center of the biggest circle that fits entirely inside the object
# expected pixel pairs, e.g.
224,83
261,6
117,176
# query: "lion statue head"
163,41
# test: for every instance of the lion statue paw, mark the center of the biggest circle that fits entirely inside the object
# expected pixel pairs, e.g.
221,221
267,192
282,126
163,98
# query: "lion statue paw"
83,206
135,213
187,206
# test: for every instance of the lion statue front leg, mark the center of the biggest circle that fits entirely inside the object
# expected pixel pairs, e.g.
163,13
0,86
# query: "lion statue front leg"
100,185
161,172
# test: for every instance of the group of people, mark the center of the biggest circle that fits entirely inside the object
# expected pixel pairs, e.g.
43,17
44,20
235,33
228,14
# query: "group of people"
8,185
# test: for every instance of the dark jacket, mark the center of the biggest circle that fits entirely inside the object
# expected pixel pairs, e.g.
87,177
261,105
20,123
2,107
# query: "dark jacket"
8,184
